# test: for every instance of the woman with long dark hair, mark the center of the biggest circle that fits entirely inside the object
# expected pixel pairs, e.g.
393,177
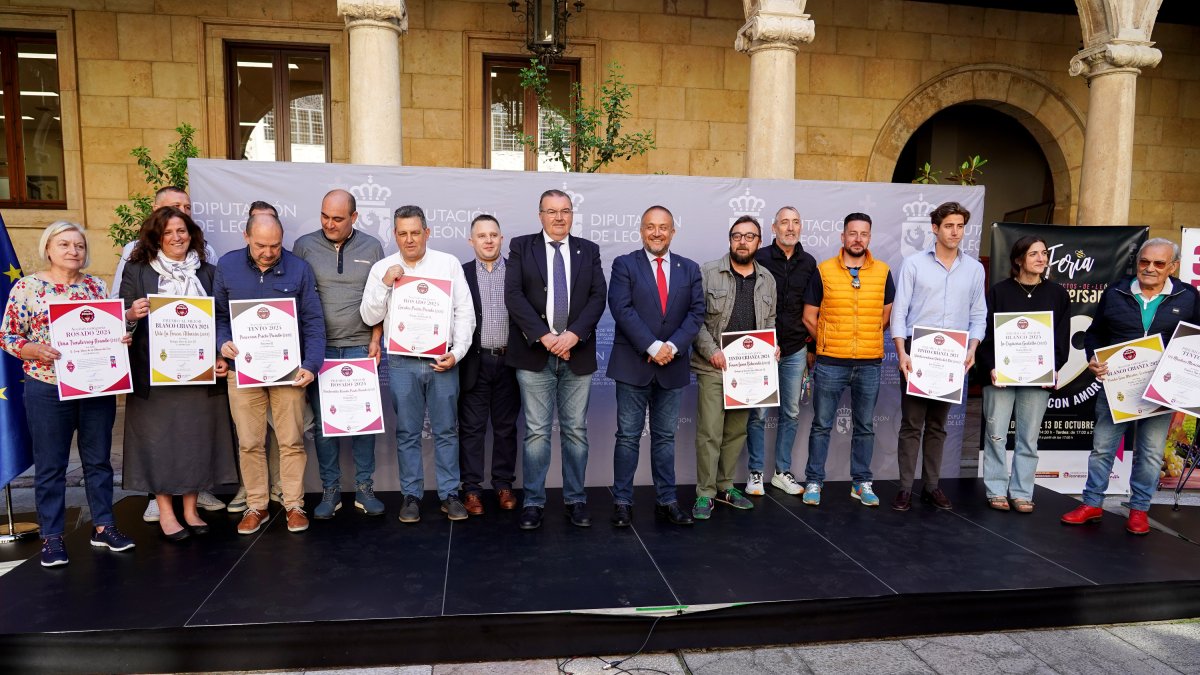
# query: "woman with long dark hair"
178,439
1027,289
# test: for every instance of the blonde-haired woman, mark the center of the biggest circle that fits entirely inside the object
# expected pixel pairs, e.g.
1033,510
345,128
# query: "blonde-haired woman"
25,333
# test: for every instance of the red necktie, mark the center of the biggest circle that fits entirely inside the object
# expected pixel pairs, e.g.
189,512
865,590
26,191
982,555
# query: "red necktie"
662,285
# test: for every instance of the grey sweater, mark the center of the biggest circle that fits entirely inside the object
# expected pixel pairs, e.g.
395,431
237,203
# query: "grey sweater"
341,276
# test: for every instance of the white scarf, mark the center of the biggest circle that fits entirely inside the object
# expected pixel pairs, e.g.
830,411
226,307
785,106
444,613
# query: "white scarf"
178,277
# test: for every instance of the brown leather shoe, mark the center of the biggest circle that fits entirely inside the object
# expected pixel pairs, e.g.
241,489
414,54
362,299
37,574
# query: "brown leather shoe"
937,498
252,520
296,520
903,501
508,500
473,503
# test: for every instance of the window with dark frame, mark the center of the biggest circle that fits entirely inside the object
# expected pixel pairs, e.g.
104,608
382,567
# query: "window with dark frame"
265,79
510,110
32,170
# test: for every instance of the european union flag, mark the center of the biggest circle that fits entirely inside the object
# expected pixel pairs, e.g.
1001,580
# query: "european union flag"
16,454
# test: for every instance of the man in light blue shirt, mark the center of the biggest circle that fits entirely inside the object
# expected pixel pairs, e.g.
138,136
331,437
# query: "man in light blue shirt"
938,288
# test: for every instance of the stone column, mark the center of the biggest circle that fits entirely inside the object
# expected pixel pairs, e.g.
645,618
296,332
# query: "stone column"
771,35
375,27
1117,46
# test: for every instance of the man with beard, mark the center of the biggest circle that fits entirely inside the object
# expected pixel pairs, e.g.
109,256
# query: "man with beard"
847,305
657,303
792,267
739,295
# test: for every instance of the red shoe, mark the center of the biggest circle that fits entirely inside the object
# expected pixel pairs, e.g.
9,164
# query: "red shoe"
1137,523
1083,514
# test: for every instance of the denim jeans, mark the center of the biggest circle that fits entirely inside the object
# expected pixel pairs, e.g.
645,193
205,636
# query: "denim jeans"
999,404
632,402
829,381
554,386
51,429
1150,435
328,449
791,379
416,387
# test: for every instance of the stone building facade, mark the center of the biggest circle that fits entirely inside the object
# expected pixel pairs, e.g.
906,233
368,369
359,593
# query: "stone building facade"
823,89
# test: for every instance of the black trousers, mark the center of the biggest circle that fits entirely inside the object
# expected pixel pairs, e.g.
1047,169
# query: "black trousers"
919,415
495,397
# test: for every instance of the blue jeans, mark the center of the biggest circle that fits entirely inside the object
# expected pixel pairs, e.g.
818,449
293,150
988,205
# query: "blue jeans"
51,429
416,387
632,402
328,448
999,404
791,379
1150,435
829,381
542,391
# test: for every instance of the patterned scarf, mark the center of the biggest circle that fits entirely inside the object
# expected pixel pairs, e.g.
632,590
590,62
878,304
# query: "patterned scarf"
178,277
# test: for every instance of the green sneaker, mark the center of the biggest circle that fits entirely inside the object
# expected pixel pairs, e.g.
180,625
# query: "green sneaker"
735,498
703,508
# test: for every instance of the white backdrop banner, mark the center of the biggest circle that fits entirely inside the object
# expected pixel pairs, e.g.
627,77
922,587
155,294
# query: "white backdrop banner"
608,210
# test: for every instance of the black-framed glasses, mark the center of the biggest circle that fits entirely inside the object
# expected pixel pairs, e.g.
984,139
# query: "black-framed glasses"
743,236
854,282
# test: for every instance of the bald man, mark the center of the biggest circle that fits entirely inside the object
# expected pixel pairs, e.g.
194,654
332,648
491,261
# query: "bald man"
264,270
341,257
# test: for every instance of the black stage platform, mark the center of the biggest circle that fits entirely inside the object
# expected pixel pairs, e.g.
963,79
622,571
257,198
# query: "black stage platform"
359,591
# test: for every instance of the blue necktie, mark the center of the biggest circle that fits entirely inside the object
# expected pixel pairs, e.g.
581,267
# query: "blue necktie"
560,289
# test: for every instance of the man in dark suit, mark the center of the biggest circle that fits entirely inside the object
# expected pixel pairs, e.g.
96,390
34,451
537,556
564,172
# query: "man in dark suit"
657,301
488,386
552,344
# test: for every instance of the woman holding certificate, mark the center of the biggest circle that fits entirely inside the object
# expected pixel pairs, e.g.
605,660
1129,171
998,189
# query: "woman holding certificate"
26,335
177,438
1027,342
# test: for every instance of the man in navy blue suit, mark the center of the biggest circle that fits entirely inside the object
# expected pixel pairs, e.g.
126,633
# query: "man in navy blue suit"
554,290
657,301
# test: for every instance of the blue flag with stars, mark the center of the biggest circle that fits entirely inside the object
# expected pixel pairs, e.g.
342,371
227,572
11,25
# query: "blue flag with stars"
16,454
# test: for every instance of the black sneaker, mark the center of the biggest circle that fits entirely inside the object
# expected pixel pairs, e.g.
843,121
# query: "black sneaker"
453,508
53,552
410,511
113,538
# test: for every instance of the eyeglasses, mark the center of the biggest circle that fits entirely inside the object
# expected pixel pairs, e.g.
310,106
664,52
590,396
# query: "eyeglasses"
743,236
565,213
1158,264
854,282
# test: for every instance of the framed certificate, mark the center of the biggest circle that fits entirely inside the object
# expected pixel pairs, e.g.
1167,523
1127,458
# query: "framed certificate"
267,336
1130,366
350,402
88,334
419,316
938,358
183,337
1024,348
1176,381
751,376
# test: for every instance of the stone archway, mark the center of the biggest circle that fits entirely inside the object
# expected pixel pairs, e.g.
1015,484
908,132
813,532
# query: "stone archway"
1036,104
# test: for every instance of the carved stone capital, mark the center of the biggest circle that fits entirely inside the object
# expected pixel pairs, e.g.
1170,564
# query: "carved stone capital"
1115,57
771,30
384,13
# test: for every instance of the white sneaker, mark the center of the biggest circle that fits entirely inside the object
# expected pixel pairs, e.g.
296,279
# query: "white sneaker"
787,482
754,484
151,514
238,503
208,502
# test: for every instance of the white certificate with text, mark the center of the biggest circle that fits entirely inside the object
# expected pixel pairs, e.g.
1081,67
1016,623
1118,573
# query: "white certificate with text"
183,337
267,336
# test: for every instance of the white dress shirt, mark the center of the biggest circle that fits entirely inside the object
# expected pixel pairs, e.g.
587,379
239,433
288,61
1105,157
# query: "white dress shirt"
377,296
652,350
566,255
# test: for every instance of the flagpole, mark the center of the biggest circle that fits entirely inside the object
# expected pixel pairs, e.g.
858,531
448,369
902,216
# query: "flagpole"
14,532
